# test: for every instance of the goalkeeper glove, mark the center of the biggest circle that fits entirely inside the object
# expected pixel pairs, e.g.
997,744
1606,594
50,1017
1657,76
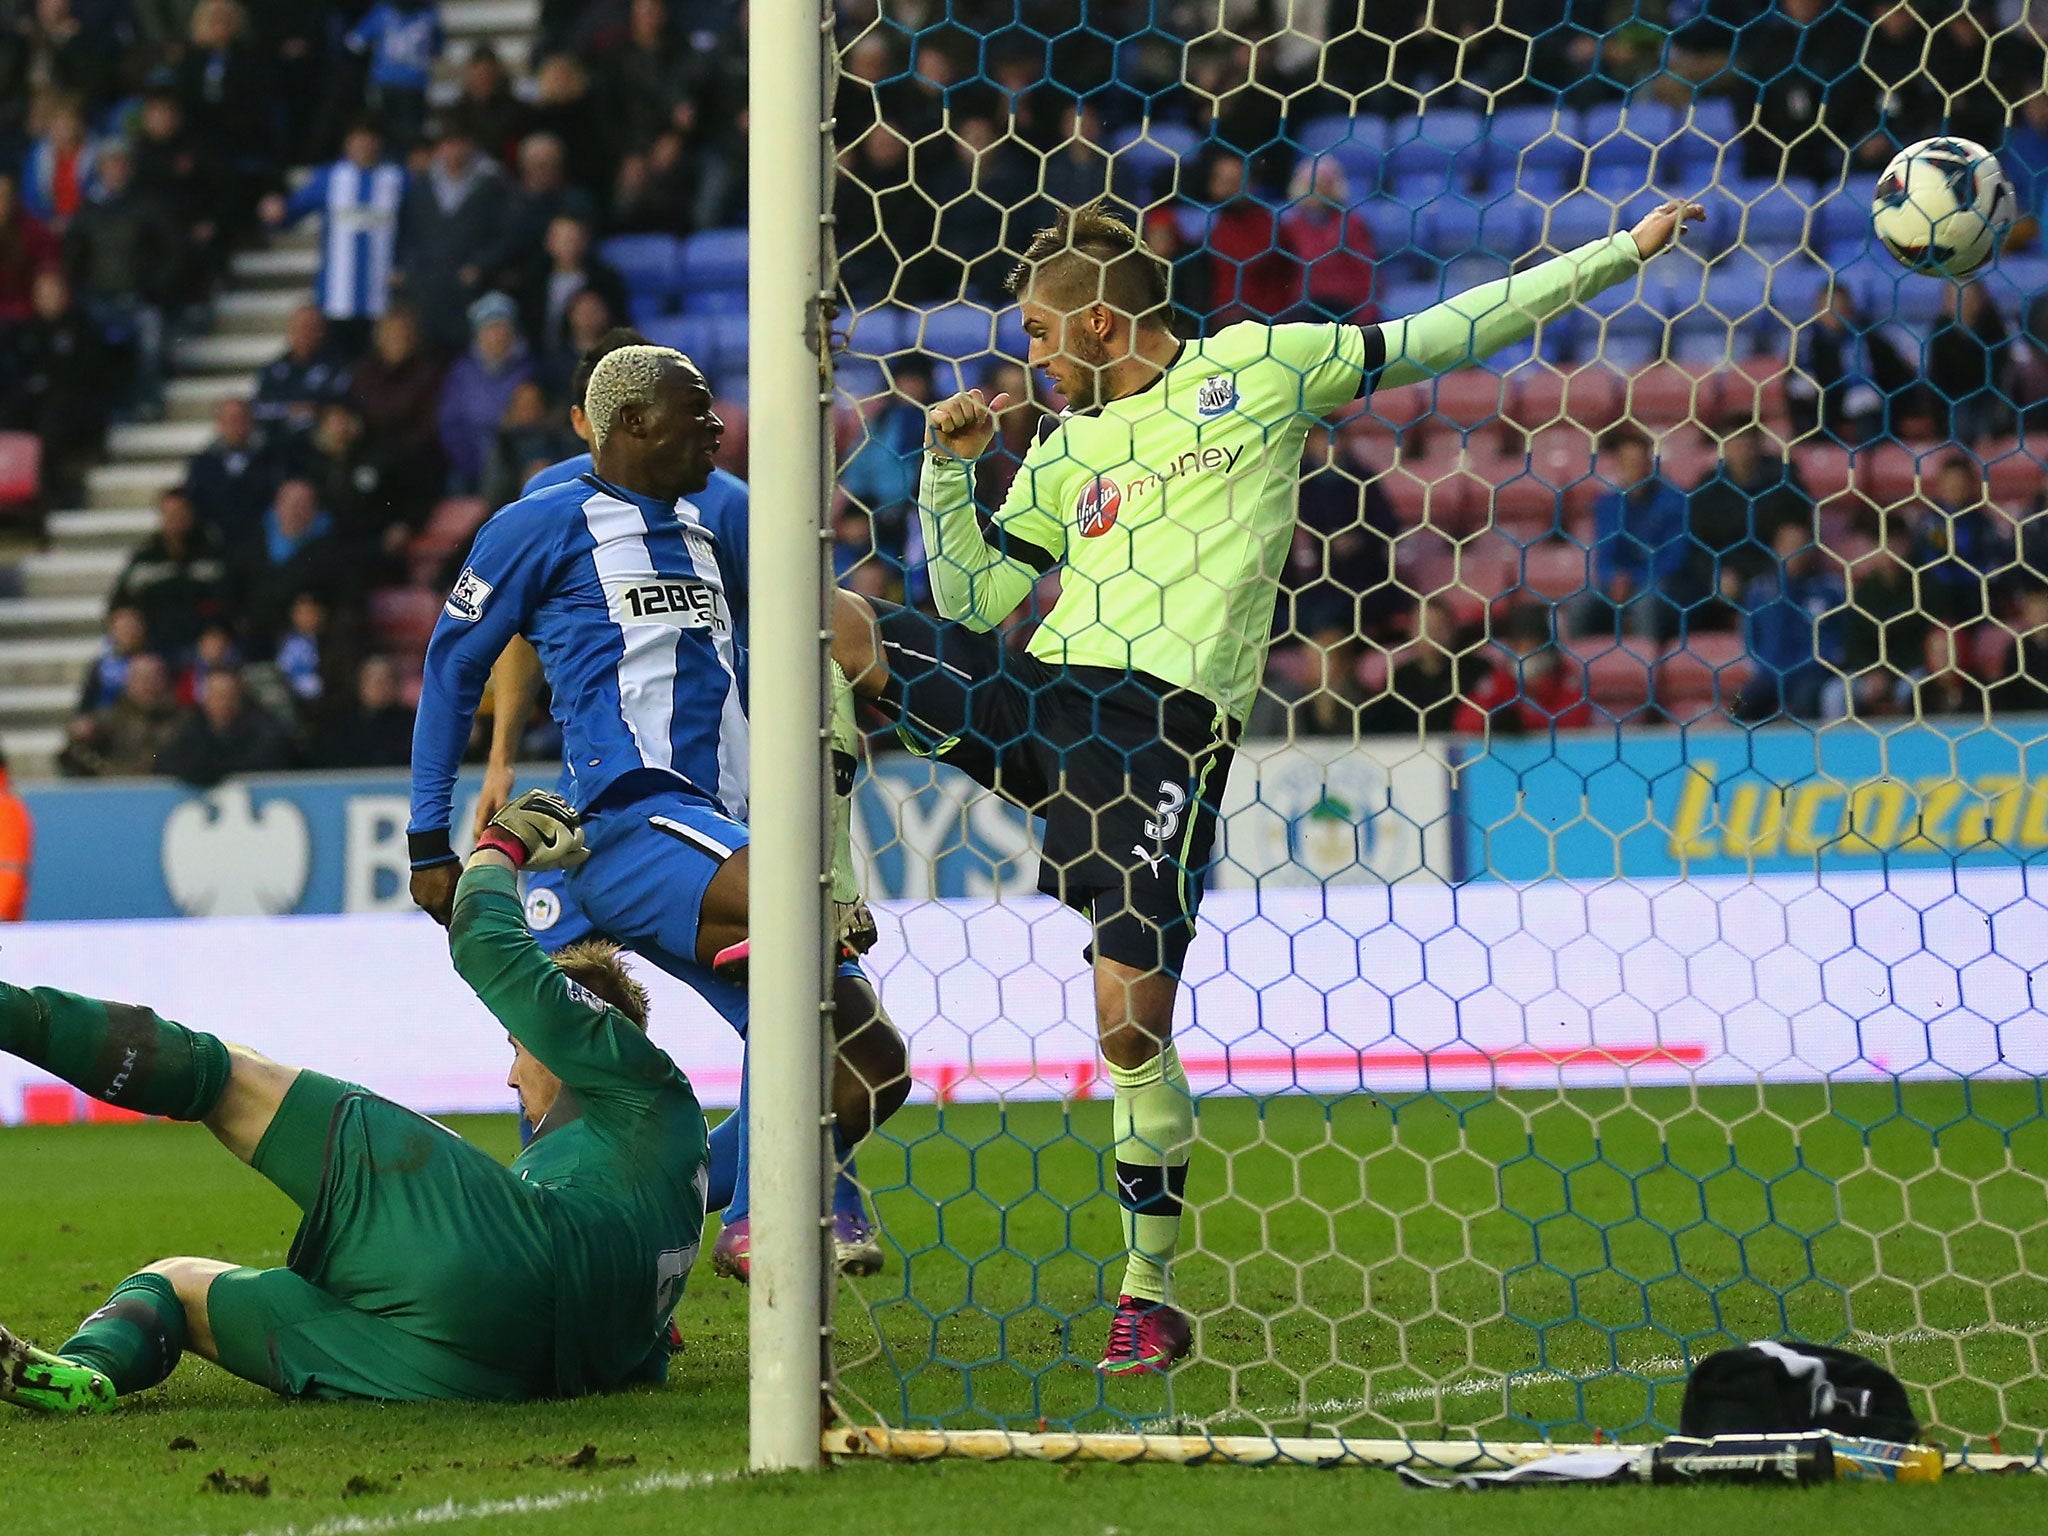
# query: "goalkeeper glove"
539,830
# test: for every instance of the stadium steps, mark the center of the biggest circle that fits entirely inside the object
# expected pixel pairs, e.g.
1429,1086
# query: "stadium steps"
51,617
240,352
158,440
119,528
255,312
48,659
50,633
131,484
32,752
284,266
36,703
72,573
197,398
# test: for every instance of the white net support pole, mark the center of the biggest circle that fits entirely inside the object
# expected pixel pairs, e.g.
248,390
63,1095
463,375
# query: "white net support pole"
790,977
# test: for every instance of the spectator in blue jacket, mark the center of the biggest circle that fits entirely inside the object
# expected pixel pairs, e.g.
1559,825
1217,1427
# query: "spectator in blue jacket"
1640,551
402,38
478,390
1792,616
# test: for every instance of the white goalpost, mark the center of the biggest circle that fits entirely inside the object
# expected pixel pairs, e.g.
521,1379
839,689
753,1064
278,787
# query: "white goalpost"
788,1342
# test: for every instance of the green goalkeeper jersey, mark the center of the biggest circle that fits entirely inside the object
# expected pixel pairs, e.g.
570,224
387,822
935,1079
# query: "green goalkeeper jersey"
1172,509
619,1162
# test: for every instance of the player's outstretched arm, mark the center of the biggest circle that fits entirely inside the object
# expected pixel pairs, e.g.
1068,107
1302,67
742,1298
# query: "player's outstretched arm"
509,565
972,580
1477,323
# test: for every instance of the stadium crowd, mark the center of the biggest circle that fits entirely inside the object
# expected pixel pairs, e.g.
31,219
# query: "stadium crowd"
477,235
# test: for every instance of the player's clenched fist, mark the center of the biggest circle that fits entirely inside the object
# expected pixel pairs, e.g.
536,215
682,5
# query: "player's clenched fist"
962,424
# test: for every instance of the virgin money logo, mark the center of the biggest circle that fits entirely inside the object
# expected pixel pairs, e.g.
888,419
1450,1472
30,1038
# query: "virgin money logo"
1097,506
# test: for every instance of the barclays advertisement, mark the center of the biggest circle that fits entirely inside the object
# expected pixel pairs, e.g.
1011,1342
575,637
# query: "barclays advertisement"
1848,796
335,843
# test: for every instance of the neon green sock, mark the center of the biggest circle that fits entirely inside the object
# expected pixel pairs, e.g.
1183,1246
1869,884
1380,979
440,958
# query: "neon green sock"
116,1052
1155,1125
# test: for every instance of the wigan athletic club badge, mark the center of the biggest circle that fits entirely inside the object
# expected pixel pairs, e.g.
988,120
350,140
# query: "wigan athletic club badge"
1217,394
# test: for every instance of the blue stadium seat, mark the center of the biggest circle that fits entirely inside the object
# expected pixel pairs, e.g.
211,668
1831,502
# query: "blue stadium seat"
1447,149
715,343
1609,156
1143,158
1396,234
1533,147
716,258
1576,219
1426,189
2013,281
715,301
1453,226
648,263
955,331
878,332
1777,217
1598,122
1327,133
1358,144
1714,116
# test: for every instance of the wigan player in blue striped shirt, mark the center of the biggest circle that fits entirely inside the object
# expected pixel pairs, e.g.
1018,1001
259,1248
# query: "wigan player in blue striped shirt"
616,581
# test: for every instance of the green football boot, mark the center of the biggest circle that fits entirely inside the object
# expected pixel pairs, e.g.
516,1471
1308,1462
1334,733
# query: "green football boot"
36,1379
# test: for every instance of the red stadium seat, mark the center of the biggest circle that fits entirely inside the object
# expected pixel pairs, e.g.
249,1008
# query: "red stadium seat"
1701,678
2013,473
21,471
1472,397
1430,492
449,527
1826,469
1753,389
1556,570
1617,675
1889,473
1524,505
1588,397
401,618
1666,394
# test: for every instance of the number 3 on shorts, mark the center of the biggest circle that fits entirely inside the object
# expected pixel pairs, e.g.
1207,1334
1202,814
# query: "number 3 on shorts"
1164,822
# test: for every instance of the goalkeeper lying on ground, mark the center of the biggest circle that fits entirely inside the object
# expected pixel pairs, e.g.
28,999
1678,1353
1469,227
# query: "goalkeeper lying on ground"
423,1268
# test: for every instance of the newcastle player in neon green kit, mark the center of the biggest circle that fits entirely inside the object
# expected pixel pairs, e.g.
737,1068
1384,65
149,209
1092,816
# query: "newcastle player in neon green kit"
423,1268
1165,495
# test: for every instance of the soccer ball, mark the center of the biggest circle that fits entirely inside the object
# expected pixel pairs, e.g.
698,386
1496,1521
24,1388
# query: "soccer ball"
1943,206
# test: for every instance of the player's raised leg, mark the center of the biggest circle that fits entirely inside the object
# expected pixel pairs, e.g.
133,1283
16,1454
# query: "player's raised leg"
131,1057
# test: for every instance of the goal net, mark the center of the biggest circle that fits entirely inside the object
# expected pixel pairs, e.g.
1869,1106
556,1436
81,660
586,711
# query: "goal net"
1623,930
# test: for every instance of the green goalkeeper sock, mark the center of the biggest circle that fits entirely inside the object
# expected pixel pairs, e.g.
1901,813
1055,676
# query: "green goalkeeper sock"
1155,1123
116,1052
136,1338
845,761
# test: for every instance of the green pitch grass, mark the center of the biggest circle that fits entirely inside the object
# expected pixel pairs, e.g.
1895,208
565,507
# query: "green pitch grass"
82,1206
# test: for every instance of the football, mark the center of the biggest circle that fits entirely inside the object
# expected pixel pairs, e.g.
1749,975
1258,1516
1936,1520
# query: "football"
1943,206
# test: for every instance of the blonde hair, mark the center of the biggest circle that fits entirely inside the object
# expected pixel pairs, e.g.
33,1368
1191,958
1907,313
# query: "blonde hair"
1090,256
623,377
598,966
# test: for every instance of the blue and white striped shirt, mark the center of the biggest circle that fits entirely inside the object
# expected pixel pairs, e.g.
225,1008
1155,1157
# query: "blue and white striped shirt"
359,245
623,598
